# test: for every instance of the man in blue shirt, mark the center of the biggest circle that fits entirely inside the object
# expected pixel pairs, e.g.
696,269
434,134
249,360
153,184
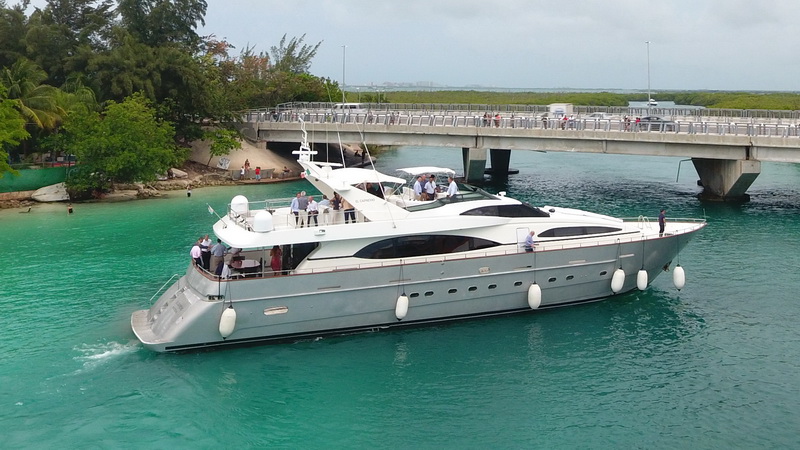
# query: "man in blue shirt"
217,256
529,242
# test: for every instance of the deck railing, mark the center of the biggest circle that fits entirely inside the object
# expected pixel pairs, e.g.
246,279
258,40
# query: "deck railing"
644,223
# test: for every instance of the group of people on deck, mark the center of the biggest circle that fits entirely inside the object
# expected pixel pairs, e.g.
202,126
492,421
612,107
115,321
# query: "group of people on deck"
312,208
426,190
211,257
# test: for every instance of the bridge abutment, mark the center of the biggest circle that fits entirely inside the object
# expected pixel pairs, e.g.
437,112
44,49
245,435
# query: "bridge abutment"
500,160
725,179
474,163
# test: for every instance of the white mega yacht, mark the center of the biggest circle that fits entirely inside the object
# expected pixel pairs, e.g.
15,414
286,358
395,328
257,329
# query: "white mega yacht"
400,262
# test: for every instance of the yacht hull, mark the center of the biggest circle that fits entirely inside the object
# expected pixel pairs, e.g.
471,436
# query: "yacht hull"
442,288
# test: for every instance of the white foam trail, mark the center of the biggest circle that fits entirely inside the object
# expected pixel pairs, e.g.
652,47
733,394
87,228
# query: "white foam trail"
94,355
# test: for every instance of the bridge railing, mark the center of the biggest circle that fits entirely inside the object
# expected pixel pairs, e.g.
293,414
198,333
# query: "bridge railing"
531,121
450,108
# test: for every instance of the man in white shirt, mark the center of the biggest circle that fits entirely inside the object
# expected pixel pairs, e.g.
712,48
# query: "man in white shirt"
205,250
196,254
325,207
313,211
418,188
452,189
430,188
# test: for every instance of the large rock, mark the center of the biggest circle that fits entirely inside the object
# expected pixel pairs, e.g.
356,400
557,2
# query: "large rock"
52,193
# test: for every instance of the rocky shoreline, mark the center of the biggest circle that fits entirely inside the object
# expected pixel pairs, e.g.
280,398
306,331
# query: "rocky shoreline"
197,176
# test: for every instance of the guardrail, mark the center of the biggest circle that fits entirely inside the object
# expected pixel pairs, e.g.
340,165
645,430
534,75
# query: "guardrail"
698,112
462,119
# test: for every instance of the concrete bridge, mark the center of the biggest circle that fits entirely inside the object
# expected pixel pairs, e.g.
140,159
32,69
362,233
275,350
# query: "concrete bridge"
727,153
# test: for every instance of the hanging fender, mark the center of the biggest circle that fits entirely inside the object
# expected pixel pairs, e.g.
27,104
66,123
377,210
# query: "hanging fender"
617,280
227,322
401,307
534,296
641,280
678,277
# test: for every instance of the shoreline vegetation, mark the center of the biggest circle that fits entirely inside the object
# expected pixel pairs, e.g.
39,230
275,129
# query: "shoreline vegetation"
789,101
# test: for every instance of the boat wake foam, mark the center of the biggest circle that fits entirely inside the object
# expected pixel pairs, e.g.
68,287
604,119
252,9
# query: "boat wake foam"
94,355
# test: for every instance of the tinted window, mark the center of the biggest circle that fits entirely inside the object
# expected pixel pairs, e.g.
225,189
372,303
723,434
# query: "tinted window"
576,231
523,210
422,245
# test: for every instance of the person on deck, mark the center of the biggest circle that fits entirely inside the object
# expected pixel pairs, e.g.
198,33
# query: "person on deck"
452,189
217,256
430,188
529,242
196,254
349,211
313,210
336,204
325,207
205,250
418,188
662,222
276,260
295,207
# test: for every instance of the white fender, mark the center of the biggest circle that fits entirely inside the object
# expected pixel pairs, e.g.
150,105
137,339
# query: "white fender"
678,277
534,296
617,280
227,322
641,280
401,308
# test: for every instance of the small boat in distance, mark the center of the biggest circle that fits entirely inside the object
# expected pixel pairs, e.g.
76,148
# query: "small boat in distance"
384,260
652,102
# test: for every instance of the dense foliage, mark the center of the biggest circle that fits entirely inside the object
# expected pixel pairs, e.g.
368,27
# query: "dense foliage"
731,100
127,143
12,129
72,57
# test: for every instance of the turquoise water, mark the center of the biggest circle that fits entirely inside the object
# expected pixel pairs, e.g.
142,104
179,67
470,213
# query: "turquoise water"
715,365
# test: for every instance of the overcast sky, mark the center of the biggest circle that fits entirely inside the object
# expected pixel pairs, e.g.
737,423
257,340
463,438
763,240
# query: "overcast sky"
694,44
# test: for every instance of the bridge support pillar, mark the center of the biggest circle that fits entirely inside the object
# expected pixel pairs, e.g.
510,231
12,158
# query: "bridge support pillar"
474,164
500,159
725,179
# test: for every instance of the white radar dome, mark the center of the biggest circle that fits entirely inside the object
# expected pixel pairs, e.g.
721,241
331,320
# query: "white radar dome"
239,204
262,222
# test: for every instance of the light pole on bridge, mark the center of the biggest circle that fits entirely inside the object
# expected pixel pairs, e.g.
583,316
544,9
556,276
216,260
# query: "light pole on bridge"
344,65
649,99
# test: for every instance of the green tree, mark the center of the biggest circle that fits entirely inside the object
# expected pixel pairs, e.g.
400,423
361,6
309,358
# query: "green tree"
12,130
293,56
222,141
36,102
61,36
159,22
13,28
126,144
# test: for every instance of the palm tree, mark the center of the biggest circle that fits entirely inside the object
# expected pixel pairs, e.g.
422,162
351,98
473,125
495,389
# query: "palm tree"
36,102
